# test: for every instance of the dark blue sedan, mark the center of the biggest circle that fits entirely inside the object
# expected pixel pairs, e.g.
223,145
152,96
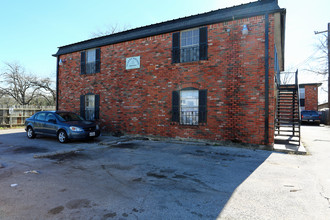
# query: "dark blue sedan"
63,125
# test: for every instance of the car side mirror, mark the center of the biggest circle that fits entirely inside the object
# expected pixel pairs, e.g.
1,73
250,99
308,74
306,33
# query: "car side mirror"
52,121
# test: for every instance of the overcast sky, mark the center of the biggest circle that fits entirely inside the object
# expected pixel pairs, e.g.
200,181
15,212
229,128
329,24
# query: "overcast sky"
32,30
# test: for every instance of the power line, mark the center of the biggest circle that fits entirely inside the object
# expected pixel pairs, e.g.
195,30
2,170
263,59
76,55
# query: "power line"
306,60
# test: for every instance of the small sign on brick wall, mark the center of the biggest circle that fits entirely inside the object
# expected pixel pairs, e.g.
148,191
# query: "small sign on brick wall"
133,63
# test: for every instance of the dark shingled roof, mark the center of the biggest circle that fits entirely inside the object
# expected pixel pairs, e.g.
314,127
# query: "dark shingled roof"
227,14
302,85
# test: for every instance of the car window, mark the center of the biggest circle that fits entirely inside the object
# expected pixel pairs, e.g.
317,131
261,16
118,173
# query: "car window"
41,116
314,113
69,116
309,113
50,116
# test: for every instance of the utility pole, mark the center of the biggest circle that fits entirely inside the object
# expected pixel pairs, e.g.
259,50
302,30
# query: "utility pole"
328,73
316,32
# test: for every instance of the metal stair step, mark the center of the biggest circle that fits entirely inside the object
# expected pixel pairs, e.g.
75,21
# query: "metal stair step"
287,121
287,124
287,135
292,123
287,106
284,132
288,128
287,109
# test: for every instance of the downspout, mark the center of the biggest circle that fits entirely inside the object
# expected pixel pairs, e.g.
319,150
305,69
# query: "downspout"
57,80
266,79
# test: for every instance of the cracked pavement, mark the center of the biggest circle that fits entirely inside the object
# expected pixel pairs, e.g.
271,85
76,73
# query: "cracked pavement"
127,178
118,178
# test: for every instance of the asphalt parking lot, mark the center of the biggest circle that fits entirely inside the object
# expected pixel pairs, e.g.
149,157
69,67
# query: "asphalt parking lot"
127,178
118,178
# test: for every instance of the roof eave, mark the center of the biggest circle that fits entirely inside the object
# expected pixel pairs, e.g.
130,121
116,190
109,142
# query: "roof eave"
157,29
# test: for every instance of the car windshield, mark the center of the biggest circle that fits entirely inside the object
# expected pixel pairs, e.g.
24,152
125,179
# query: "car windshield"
69,116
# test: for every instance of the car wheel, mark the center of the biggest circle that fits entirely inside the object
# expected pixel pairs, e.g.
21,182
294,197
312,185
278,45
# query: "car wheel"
62,136
30,133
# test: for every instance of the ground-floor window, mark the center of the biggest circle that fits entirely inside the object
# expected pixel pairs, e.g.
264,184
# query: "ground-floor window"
89,106
189,106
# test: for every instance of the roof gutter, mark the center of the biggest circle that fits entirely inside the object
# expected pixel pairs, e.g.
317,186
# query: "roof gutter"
266,79
57,80
283,21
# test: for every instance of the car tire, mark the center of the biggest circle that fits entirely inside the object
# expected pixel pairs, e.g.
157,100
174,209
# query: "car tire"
62,137
30,133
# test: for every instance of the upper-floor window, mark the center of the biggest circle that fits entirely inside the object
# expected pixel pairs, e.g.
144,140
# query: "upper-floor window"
302,93
90,61
189,45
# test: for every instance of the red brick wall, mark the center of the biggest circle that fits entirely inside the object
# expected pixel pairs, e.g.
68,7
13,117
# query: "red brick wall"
311,97
138,101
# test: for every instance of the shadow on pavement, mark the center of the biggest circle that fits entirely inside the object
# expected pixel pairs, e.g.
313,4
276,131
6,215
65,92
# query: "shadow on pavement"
155,179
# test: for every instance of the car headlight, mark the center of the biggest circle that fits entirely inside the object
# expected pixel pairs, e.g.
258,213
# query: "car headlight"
76,129
97,127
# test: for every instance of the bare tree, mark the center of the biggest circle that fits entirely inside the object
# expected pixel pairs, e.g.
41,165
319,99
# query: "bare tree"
320,66
286,78
110,29
18,84
1,93
25,88
322,46
46,90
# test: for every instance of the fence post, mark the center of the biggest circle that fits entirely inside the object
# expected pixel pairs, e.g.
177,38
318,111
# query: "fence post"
10,121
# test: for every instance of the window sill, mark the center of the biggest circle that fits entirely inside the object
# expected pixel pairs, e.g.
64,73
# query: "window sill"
200,62
187,126
89,74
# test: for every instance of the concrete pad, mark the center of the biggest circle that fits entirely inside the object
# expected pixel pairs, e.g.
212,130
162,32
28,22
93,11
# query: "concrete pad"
287,186
290,148
289,145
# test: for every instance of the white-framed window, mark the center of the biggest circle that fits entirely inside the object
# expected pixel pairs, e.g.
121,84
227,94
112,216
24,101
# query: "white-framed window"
189,45
189,102
302,93
90,107
90,61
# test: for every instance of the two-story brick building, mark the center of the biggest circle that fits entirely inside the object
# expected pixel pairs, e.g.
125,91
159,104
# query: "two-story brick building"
308,94
208,76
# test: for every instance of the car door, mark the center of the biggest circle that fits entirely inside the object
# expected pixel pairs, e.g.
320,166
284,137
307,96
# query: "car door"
39,122
50,125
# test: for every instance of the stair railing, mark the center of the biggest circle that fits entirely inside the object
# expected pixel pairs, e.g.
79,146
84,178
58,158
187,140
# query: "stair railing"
298,97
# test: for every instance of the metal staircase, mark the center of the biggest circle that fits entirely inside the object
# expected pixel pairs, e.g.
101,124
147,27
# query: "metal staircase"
287,121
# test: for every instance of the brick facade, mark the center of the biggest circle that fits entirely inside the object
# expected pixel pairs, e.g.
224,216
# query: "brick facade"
311,97
139,101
